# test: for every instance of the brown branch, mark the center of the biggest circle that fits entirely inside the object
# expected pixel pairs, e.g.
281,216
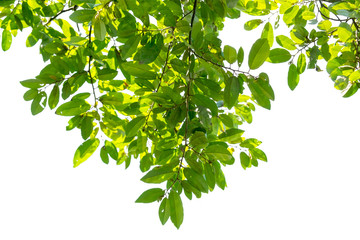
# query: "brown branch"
61,12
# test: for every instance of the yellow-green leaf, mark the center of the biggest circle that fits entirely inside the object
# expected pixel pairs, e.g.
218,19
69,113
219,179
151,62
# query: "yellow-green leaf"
85,150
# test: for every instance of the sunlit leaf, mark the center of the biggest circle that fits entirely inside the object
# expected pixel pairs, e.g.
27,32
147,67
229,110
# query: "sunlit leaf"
85,150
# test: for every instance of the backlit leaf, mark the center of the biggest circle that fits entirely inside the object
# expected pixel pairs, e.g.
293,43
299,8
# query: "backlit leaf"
132,128
259,52
85,150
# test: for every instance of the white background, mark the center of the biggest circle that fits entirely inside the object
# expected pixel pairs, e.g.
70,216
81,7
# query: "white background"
309,189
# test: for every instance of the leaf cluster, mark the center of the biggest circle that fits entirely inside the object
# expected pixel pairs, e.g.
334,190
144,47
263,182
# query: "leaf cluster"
150,81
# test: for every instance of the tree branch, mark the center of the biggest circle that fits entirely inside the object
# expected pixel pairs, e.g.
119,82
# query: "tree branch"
59,13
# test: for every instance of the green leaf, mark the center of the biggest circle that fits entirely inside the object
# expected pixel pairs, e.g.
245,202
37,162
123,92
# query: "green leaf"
258,154
351,91
285,42
344,31
301,63
202,100
176,209
259,52
219,176
252,24
6,40
130,47
111,149
99,29
132,128
54,97
231,91
72,108
30,94
164,211
103,155
250,143
198,140
262,92
27,13
86,127
107,74
290,14
293,77
159,174
209,175
245,160
308,15
230,54
151,195
240,56
279,55
218,152
139,70
39,103
232,135
148,53
196,180
82,15
85,150
268,33
32,83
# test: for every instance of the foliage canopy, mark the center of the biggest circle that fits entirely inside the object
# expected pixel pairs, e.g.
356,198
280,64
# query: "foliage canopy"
149,80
